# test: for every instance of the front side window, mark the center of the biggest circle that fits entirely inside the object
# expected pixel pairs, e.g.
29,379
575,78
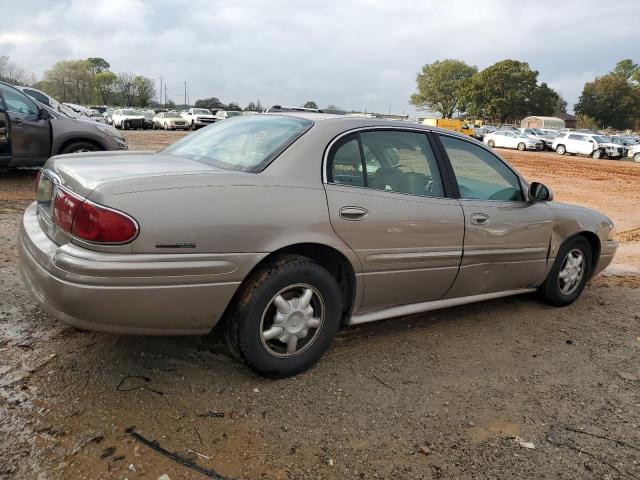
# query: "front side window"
18,102
245,144
480,174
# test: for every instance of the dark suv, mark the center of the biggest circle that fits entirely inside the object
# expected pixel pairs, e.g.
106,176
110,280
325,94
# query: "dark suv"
31,132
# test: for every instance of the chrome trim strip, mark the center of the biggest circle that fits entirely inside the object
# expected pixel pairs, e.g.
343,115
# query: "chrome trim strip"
429,306
503,251
385,258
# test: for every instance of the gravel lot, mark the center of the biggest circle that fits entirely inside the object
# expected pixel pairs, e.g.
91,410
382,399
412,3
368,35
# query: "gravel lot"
504,389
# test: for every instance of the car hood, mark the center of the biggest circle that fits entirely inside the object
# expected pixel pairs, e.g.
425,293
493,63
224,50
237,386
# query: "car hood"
84,172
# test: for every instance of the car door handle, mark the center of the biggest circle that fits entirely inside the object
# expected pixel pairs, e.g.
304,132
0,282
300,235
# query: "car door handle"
479,219
353,213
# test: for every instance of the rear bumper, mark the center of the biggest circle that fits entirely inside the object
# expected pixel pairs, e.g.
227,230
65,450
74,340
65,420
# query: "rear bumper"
156,294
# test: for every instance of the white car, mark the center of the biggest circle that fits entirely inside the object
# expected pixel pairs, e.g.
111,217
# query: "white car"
512,139
169,121
199,117
127,118
634,152
590,144
223,114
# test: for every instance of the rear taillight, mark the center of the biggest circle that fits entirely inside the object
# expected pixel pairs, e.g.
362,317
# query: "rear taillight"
65,206
103,225
91,222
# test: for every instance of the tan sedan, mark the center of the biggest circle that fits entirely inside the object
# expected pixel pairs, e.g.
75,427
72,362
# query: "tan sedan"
169,121
286,227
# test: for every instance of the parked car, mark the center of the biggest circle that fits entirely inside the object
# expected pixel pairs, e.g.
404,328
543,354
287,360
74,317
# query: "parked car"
634,152
512,139
224,114
169,121
589,144
148,118
206,231
108,115
31,132
538,134
42,97
198,117
612,149
125,118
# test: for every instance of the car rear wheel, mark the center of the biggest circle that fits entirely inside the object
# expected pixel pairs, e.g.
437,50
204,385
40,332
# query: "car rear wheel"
522,147
561,150
491,144
569,274
286,317
79,147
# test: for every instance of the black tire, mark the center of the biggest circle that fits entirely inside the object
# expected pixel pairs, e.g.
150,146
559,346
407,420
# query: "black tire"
522,147
243,326
78,147
550,290
597,154
561,150
491,144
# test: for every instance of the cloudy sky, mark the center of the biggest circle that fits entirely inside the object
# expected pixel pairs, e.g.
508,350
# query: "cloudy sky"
356,54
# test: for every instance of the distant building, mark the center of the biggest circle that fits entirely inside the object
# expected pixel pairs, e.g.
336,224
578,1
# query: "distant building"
569,120
554,123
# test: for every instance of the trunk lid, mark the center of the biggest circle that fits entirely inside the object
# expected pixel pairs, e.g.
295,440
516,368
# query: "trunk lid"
84,172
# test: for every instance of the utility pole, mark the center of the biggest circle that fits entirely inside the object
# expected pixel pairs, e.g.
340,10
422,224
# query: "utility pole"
165,95
185,94
160,102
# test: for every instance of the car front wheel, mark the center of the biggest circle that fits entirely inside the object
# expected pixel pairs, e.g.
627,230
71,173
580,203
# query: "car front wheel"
569,274
491,144
636,157
286,317
596,154
80,147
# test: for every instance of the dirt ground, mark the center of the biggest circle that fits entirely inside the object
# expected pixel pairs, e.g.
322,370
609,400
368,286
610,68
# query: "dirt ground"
504,389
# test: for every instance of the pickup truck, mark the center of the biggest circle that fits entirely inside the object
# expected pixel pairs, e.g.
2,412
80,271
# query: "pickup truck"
198,117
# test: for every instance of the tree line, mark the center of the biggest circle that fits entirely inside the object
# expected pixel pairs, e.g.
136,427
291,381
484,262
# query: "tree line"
509,90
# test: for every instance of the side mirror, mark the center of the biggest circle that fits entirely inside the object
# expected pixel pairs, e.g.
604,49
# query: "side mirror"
540,193
44,114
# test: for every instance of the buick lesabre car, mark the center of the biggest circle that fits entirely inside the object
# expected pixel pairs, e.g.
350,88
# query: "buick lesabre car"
285,227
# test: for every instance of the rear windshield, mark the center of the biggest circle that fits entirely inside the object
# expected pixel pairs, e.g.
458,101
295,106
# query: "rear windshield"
244,144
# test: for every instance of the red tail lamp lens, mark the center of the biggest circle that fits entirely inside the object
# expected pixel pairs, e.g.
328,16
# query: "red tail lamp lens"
97,224
65,206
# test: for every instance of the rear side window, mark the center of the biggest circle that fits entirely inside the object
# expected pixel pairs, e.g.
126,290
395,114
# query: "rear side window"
390,160
480,174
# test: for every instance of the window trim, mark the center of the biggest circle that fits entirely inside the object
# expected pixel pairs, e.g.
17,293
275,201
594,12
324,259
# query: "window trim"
521,181
448,187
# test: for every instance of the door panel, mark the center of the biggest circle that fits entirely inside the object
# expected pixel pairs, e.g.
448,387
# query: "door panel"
5,147
409,246
506,238
29,135
507,251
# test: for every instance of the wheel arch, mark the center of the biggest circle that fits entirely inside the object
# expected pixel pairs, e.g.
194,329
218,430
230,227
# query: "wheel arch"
334,261
71,140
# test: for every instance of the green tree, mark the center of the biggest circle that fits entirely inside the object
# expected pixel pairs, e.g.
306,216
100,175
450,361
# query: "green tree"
545,101
13,73
97,65
627,70
254,107
310,104
439,86
104,83
561,106
233,106
611,100
144,90
70,81
507,90
212,103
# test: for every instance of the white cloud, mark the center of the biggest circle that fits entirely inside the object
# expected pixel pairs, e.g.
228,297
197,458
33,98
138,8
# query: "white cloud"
357,53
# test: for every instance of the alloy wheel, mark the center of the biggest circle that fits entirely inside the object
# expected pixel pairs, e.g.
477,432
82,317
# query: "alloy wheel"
292,320
572,271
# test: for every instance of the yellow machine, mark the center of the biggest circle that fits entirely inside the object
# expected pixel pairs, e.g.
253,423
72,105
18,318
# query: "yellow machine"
449,124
